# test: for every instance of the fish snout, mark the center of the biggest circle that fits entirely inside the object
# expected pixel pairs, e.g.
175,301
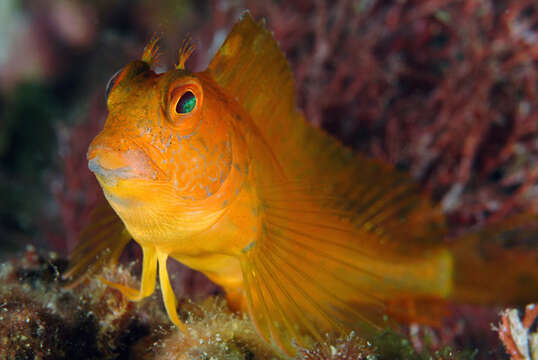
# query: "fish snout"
110,163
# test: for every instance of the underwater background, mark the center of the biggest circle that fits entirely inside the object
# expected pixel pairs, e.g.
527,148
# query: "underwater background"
444,89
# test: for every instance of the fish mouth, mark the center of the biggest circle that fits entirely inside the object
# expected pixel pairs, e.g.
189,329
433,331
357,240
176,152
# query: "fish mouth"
109,166
110,176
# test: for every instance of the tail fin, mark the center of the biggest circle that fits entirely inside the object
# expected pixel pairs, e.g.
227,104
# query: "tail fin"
498,265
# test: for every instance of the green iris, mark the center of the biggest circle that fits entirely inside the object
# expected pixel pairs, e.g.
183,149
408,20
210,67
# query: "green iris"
186,103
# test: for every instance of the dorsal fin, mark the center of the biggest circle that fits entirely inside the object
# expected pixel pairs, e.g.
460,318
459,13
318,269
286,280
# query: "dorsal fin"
250,64
251,68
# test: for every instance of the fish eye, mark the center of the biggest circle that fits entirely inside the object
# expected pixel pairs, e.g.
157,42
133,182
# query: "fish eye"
186,103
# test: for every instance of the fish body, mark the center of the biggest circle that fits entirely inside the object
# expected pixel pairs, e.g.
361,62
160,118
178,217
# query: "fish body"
221,172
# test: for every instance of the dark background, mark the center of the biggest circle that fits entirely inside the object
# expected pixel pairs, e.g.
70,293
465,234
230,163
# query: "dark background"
444,89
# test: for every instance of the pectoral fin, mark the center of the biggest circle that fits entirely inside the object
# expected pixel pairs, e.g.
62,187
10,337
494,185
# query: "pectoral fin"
149,275
312,272
170,301
100,244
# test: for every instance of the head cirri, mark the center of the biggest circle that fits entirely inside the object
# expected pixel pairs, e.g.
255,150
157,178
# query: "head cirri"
167,142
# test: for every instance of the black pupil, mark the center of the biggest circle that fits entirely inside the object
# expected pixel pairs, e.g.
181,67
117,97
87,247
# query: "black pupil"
186,103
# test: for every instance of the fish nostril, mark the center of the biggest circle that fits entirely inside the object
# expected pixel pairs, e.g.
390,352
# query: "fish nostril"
95,148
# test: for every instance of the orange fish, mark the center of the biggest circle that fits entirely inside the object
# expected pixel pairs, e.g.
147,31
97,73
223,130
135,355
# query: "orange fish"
220,171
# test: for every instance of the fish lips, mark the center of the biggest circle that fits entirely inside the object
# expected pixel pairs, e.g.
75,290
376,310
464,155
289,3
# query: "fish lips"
110,166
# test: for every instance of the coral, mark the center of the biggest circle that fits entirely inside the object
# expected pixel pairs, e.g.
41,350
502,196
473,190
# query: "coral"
520,341
39,319
29,329
350,347
388,345
43,321
391,345
214,333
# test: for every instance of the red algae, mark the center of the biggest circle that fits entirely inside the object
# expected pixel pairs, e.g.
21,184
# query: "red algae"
445,89
519,335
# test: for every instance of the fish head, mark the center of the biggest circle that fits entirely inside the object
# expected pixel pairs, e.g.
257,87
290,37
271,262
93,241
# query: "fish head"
166,152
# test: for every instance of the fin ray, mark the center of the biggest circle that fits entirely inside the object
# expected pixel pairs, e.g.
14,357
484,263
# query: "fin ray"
251,69
279,317
323,273
324,290
100,243
330,257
